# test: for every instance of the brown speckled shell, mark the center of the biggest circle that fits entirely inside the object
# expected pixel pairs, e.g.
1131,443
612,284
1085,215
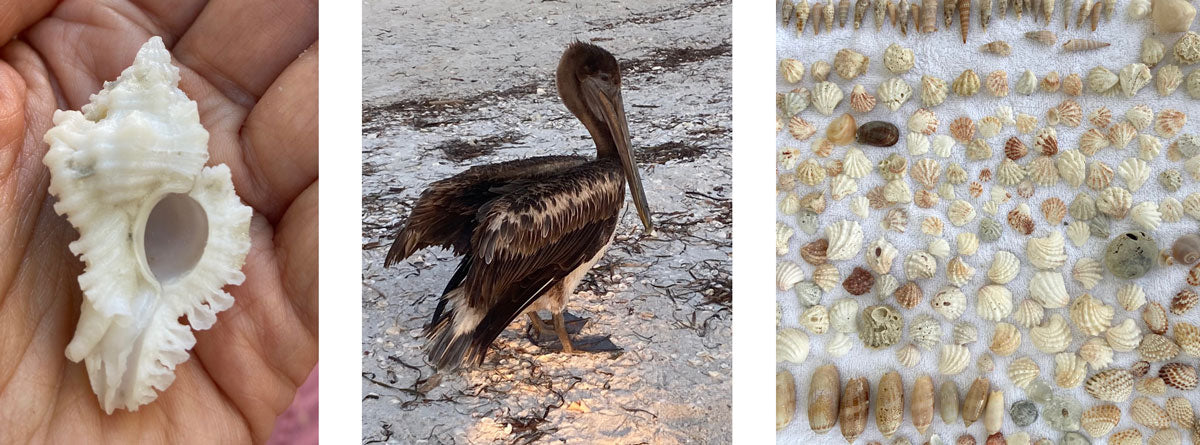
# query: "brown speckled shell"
1145,412
909,295
1179,375
965,439
1180,411
823,399
975,401
1113,385
814,252
859,282
1155,317
962,129
996,439
889,404
921,407
1184,301
1139,368
1187,336
855,403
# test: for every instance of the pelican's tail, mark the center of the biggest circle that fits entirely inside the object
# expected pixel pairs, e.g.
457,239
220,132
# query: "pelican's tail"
453,337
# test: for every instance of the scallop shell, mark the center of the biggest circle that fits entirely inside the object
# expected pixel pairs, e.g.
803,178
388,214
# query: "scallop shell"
1078,232
1005,267
1052,336
1171,209
839,346
1005,339
1146,215
920,265
894,92
845,240
1148,147
783,234
860,100
1099,175
1020,219
1072,85
1054,210
953,359
1135,172
997,82
1156,348
787,274
1168,122
964,333
1043,172
933,91
923,121
1071,167
1124,337
1098,420
1022,372
1028,313
1069,370
1121,134
1114,202
895,220
1090,315
1051,82
990,126
960,212
1144,411
1169,78
942,144
815,319
1046,252
826,277
1100,117
1166,436
1027,84
792,70
791,345
925,332
949,302
1068,113
909,356
1133,77
932,226
1014,149
978,150
1100,79
1096,352
1026,123
1180,376
963,129
843,315
825,97
800,128
1113,385
1092,141
959,272
967,84
897,191
1046,141
994,302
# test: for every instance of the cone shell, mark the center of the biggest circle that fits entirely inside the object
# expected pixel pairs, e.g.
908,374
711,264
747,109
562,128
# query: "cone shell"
975,401
823,399
921,407
855,403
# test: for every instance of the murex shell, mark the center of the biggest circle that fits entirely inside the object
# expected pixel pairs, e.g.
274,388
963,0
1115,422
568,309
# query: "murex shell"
160,234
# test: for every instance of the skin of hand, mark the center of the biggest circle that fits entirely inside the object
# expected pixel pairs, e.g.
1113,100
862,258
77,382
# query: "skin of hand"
252,68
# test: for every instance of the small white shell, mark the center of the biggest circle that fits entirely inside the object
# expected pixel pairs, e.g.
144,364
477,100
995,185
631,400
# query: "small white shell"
918,144
783,235
1078,232
1087,272
894,92
1124,337
825,97
1009,173
1139,116
920,265
1071,167
1090,315
855,164
1029,313
938,247
897,191
842,186
949,302
1052,336
960,212
925,332
791,345
989,126
994,302
879,255
1131,297
1047,252
1135,172
1005,339
909,356
1022,372
1069,370
815,319
967,243
1114,202
787,274
1005,267
1169,78
838,346
1148,147
1146,215
845,240
958,272
843,315
1049,289
1171,209
1096,352
953,359
1133,77
1100,80
923,121
964,333
885,285
942,144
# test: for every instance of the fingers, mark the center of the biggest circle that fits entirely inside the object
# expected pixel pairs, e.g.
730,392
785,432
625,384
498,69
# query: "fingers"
242,46
12,118
16,15
296,247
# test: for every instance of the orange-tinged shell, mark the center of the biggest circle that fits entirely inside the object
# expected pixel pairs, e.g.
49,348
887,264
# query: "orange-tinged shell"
841,131
855,403
814,252
909,295
823,399
1046,141
963,129
1113,385
1184,301
1054,209
921,407
1179,375
800,128
1168,122
1155,317
1180,411
1139,368
975,401
1130,436
1015,149
1187,336
1098,420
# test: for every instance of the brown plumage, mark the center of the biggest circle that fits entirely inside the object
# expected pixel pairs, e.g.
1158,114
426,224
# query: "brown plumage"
529,229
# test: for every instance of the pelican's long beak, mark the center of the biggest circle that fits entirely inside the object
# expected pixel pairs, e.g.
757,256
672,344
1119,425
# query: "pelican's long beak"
605,102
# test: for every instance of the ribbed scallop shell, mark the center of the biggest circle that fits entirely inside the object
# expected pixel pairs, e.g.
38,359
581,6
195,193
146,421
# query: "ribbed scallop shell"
845,240
1171,209
1096,352
1168,436
950,302
800,128
926,172
942,144
843,315
897,191
909,295
1146,215
1131,296
787,274
894,92
1023,371
909,356
1067,112
925,332
1005,339
1113,385
1047,252
1071,167
1124,337
815,319
1090,315
1092,141
1005,267
1140,117
956,175
997,83
953,359
1100,117
826,276
1029,313
959,272
1052,336
1187,336
978,150
840,345
1169,78
962,129
810,172
1098,420
933,91
964,333
1054,210
791,345
933,226
994,302
918,144
1009,173
1078,232
896,220
1121,134
1020,219
1148,147
1069,370
960,212
825,97
1156,348
1026,123
967,84
1114,202
920,265
1072,85
967,243
923,121
1135,172
990,126
1087,272
1133,77
783,234
1168,122
1145,412
1043,171
937,247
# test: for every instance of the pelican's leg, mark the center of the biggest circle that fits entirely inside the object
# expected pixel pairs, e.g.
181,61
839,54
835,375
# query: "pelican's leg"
560,326
582,344
536,321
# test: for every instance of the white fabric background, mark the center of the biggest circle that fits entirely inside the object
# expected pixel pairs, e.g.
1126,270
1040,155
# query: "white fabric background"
943,55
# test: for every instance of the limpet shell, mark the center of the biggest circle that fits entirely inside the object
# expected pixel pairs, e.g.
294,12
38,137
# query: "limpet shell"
791,345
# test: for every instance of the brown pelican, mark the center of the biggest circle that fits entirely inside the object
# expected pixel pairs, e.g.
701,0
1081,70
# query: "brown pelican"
528,230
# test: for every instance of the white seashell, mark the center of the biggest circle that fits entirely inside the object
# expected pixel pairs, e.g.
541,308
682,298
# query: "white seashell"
1078,232
894,92
1048,289
815,319
826,276
842,186
1135,172
840,345
1005,267
810,172
949,302
960,213
879,255
933,91
1171,209
938,247
1043,172
1192,166
967,243
1052,336
994,302
978,150
1114,202
1146,215
1191,205
1100,80
1131,297
990,126
964,333
1069,370
160,234
946,191
1047,252
792,70
1152,51
942,144
787,274
1138,9
825,97
1133,77
845,240
1029,313
783,235
1090,315
923,121
1169,78
909,356
1026,123
791,345
860,206
1140,116
1087,272
918,144
855,164
926,172
1027,84
1005,339
1124,337
920,265
897,59
958,272
843,315
925,332
991,207
885,285
1096,352
1022,372
1009,173
953,359
897,191
1005,114
1071,167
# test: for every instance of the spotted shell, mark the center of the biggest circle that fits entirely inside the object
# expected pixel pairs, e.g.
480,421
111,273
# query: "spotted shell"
1187,336
994,302
1180,376
1130,436
1004,268
1098,420
1124,337
925,332
1156,348
1145,412
1005,339
953,359
1096,352
949,302
1113,385
1023,371
815,319
1180,411
845,240
1184,301
920,265
1090,315
1046,252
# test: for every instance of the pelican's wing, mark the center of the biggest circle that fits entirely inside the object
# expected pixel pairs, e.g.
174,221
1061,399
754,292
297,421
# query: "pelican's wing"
445,214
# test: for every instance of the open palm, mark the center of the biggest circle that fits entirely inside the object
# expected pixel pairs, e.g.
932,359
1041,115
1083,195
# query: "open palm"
252,68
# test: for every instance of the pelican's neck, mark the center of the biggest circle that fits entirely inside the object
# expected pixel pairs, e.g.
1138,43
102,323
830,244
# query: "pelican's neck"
572,96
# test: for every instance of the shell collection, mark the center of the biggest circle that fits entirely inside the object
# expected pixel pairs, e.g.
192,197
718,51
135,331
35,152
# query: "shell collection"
1019,245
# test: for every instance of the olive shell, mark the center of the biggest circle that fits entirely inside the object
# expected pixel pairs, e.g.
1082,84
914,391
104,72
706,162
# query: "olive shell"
878,134
785,399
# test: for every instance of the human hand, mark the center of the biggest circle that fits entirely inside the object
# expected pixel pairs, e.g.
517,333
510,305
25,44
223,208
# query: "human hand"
252,69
